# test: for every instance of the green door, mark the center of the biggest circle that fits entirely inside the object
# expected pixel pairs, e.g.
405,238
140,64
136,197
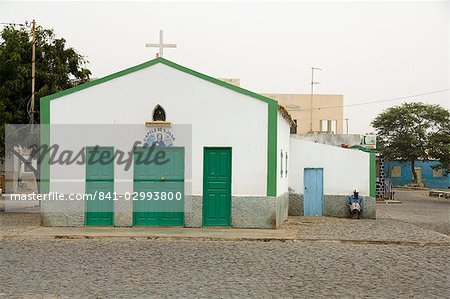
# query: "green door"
158,198
100,186
217,186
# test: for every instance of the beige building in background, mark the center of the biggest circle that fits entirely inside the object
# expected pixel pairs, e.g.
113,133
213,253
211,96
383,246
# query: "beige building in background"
327,112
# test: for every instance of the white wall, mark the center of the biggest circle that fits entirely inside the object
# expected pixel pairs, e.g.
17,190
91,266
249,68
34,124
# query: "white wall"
219,117
343,169
283,144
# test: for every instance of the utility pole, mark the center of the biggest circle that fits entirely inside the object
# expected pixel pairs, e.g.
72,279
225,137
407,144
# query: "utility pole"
346,121
33,71
312,95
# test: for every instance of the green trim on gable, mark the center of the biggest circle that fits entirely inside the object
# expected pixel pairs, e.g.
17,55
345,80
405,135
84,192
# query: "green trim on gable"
272,149
45,164
45,139
272,110
373,174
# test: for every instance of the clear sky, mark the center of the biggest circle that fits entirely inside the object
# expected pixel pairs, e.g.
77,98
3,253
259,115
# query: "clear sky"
368,50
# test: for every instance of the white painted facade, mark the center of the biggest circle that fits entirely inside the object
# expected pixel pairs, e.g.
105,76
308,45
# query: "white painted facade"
343,169
219,117
283,142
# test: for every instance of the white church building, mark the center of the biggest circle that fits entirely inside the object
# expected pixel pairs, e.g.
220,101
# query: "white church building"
225,155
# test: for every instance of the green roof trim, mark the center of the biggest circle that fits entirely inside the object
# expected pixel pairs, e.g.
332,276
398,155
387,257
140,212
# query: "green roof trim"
364,149
373,174
153,62
272,109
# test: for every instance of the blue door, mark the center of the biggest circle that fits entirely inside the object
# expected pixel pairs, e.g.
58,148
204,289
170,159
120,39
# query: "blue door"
313,195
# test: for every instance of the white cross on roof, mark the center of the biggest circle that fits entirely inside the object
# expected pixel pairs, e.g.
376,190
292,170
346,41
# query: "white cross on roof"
161,44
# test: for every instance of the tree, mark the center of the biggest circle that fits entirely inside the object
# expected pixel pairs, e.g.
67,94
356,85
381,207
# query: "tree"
414,131
58,67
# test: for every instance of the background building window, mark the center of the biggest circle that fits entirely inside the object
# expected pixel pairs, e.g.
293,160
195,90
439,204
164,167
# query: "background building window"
328,126
396,172
437,172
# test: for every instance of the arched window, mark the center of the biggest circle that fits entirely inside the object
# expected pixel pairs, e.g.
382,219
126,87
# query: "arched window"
159,114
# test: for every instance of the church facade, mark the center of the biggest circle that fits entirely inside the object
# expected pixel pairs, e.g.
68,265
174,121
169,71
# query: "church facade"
160,144
228,150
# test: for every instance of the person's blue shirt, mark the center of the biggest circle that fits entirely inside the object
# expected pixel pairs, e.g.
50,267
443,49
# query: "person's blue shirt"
353,199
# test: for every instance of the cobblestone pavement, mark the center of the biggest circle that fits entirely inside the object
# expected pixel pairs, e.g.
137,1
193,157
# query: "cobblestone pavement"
404,253
165,268
419,209
380,230
13,223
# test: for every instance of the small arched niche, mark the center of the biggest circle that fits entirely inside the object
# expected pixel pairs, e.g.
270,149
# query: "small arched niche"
159,114
159,118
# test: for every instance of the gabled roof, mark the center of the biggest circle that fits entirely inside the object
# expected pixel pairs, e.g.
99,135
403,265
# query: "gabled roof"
151,63
271,115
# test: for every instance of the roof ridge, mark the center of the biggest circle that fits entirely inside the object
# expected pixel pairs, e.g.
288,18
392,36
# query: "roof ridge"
151,63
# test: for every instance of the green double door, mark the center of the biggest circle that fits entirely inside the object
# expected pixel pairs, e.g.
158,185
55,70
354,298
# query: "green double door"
99,209
217,186
158,198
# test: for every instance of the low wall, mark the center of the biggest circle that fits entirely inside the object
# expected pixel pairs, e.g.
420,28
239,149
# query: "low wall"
295,204
193,211
334,206
62,213
337,206
246,212
259,212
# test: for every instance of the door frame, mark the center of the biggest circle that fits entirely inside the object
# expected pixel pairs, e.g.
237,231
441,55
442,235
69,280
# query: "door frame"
85,184
205,148
304,186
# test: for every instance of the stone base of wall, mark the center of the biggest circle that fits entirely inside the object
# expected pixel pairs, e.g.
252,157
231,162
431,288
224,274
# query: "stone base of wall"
62,213
123,212
259,212
333,205
193,207
71,213
295,204
246,212
282,208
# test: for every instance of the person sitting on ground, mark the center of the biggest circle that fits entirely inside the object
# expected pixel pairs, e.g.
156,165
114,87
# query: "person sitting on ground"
355,204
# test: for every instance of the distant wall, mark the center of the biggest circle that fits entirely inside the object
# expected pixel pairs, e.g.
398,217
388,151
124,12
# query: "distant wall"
333,205
343,169
406,176
333,139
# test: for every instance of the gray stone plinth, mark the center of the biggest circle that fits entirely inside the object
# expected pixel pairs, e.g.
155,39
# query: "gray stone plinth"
369,208
295,204
246,212
282,208
337,206
193,211
259,211
123,212
333,205
62,212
